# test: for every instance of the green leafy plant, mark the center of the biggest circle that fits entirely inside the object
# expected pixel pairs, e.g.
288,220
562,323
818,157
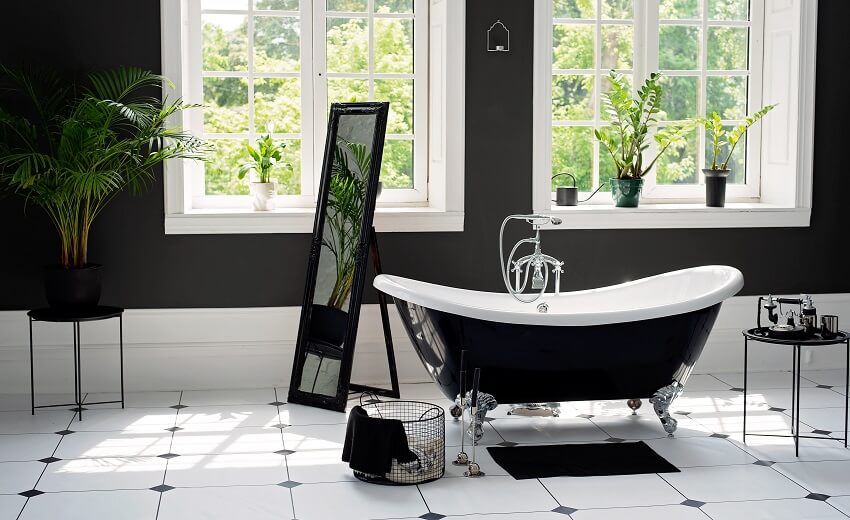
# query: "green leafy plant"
264,157
632,119
75,147
721,139
346,201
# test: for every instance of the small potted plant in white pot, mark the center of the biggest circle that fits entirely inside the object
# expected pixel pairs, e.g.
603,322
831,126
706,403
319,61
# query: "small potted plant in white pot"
716,175
264,157
626,138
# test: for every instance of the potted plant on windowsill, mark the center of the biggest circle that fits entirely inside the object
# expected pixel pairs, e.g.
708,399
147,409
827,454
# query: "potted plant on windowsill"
264,157
626,138
70,149
717,174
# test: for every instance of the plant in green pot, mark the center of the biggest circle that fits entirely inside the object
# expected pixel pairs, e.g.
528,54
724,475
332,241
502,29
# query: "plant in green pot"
264,158
71,148
721,140
627,137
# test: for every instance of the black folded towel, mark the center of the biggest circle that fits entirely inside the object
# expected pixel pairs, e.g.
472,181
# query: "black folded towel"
371,443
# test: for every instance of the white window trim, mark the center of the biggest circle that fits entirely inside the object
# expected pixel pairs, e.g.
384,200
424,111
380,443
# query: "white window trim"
444,210
790,36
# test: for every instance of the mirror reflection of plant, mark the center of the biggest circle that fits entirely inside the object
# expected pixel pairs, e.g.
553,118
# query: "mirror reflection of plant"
346,200
83,144
264,157
720,139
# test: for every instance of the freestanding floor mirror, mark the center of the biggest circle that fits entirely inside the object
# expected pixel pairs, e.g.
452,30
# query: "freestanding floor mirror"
342,238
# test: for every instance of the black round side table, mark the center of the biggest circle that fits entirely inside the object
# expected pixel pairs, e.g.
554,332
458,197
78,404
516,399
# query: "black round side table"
761,335
77,315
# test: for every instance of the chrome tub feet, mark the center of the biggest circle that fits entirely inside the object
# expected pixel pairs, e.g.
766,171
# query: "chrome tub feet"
634,404
486,402
661,401
536,410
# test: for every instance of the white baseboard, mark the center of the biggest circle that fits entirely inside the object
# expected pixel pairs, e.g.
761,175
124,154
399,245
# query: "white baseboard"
188,349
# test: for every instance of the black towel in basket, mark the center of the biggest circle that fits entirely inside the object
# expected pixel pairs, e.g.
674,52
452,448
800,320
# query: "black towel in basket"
371,443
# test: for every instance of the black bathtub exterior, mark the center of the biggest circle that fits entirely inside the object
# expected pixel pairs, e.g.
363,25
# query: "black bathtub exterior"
536,364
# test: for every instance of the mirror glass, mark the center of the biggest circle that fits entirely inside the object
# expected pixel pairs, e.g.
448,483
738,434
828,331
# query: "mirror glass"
324,342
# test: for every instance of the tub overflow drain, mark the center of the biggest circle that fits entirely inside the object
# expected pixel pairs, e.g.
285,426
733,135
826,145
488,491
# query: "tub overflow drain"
543,308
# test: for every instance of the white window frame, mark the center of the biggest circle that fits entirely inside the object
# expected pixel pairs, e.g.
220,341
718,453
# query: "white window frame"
435,203
784,44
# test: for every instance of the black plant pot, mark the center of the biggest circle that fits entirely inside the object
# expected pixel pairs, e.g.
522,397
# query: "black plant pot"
715,187
72,287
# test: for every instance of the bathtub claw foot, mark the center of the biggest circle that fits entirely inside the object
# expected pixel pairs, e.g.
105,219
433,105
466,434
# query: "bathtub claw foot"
486,402
661,401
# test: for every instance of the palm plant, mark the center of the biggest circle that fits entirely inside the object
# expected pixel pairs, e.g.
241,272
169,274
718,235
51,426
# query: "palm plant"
632,119
264,157
720,139
78,146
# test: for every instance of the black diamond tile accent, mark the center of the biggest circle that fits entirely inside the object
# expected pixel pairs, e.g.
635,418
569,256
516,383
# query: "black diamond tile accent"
173,429
585,416
65,432
614,439
764,463
31,493
289,484
49,460
719,436
280,426
736,389
817,496
821,432
776,409
432,516
162,488
277,403
507,444
682,413
77,409
489,419
284,452
692,503
168,456
564,510
179,406
825,386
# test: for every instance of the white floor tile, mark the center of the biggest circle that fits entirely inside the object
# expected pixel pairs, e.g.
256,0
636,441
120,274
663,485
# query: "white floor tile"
782,449
238,440
634,427
113,444
297,414
136,399
641,513
103,474
311,466
758,421
762,380
595,492
823,418
699,451
810,397
548,430
227,397
833,377
826,477
482,458
698,403
841,503
126,505
545,515
314,437
792,509
19,447
356,501
137,420
491,494
453,433
227,418
22,402
733,483
19,476
615,408
232,469
10,506
41,422
226,503
702,382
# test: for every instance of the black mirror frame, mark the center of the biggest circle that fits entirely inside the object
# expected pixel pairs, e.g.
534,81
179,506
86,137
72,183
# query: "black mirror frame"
339,401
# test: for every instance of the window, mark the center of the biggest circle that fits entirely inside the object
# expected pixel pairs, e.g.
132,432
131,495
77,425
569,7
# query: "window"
275,66
713,58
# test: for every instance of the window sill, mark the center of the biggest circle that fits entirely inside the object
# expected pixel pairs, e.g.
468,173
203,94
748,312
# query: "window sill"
300,220
661,216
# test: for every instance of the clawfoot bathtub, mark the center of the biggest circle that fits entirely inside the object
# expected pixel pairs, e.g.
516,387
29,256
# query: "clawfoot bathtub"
634,340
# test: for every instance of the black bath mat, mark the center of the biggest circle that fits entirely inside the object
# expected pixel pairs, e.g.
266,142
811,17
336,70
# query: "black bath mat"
580,460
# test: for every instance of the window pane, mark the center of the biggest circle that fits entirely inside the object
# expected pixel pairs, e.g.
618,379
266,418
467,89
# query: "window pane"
572,97
279,5
347,45
225,39
678,165
288,174
737,163
224,4
727,48
397,164
728,9
679,97
572,152
393,6
347,90
607,169
225,105
606,86
277,105
617,46
618,9
678,9
276,44
574,8
572,47
348,6
399,92
221,168
678,47
393,45
727,96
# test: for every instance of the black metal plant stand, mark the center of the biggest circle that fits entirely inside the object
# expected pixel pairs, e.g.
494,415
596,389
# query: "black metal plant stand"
760,335
76,316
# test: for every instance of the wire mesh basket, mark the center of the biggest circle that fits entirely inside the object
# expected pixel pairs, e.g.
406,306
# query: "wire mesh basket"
425,427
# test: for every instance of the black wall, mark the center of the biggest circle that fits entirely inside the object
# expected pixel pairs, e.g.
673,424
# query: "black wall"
146,268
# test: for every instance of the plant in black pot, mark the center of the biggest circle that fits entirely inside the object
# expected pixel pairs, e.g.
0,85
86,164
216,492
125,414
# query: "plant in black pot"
627,137
70,148
718,173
